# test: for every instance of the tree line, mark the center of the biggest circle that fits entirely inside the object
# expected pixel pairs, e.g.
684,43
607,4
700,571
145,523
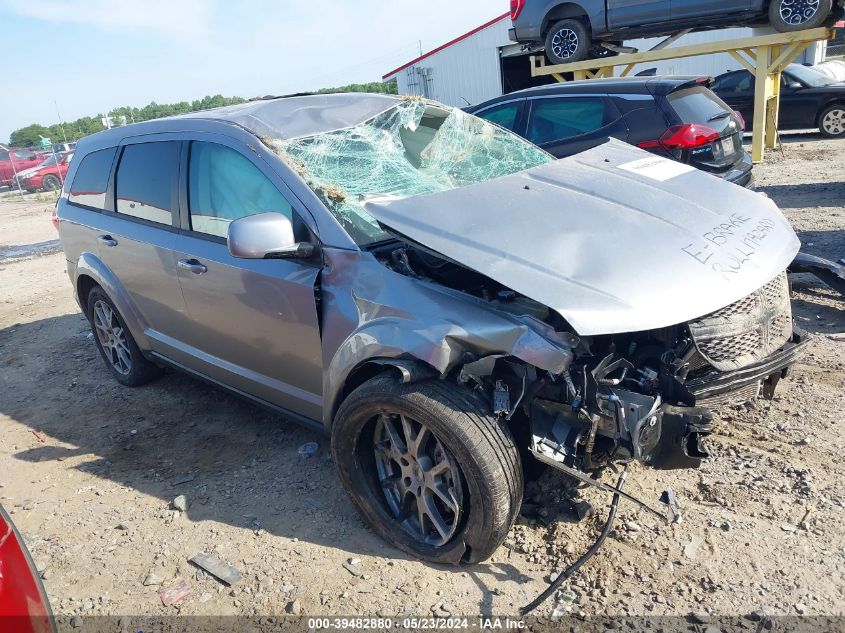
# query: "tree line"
74,130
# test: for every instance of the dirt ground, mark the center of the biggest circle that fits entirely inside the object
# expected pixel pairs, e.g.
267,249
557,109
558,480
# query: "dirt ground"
88,470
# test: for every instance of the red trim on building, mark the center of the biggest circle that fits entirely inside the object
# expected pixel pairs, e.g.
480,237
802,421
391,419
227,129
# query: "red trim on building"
507,14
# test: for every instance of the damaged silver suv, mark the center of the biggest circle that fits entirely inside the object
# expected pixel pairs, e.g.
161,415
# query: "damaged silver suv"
444,298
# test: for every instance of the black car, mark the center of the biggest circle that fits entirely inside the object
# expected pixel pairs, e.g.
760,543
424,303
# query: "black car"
675,117
808,99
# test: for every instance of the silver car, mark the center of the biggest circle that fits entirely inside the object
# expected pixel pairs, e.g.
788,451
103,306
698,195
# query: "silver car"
445,299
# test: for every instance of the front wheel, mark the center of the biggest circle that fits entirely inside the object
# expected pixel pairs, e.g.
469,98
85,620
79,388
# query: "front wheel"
797,15
832,121
428,467
51,183
568,41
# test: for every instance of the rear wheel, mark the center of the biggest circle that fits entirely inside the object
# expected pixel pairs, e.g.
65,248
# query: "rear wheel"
428,467
51,183
832,121
568,41
797,15
117,347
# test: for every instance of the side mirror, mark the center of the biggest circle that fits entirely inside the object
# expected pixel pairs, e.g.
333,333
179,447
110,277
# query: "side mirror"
266,236
794,85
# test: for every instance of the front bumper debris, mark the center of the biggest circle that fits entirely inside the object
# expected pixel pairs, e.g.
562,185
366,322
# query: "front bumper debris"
717,387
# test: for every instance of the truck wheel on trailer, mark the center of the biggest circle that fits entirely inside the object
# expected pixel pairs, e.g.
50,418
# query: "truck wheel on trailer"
568,41
797,15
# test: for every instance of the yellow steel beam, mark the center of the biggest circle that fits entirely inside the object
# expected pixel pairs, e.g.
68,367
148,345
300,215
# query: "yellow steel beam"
539,67
741,59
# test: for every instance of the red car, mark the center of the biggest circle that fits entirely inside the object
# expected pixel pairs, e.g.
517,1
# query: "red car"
23,603
49,175
14,161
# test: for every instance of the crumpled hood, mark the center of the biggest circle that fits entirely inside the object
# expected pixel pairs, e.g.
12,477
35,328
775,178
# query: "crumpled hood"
613,239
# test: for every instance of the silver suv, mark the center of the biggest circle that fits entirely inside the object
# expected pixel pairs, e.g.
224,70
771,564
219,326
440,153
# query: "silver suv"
444,298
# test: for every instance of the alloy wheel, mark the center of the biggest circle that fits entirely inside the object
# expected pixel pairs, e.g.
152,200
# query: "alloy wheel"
834,122
565,43
798,11
112,338
420,479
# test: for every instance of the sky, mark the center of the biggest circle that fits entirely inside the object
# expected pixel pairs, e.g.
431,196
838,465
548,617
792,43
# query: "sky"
72,58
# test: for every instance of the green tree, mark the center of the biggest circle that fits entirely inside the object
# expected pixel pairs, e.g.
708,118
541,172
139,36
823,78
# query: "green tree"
28,136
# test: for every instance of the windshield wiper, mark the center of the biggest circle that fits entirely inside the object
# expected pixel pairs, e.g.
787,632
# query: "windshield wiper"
716,117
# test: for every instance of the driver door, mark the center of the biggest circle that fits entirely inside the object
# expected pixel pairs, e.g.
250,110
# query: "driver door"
255,324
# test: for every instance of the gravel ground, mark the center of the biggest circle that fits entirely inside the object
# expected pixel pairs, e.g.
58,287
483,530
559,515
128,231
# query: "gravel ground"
89,471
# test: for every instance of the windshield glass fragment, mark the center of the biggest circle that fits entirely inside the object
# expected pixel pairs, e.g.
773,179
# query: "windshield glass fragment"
411,149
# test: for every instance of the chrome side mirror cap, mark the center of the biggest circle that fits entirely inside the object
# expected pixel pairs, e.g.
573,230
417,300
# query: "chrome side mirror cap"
265,236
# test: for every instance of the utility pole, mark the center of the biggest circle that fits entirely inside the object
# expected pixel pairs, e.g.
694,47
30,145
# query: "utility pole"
61,123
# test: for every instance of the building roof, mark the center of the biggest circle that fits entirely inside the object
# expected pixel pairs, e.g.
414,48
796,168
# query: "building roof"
447,45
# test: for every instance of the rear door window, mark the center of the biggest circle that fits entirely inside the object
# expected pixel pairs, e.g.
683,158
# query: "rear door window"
92,179
560,119
224,185
146,181
735,82
697,105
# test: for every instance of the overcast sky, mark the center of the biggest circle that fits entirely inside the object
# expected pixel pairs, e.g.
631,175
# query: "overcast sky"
87,56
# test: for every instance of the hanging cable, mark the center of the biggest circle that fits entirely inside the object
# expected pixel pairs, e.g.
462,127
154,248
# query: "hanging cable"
574,567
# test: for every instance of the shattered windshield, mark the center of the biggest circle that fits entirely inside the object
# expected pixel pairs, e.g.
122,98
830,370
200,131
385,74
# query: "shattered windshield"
411,149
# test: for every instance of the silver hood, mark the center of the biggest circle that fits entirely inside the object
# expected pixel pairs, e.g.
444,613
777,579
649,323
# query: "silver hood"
613,239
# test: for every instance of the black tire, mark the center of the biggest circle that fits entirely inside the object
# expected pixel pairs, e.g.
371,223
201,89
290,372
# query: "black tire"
488,483
832,121
797,15
129,368
51,183
568,41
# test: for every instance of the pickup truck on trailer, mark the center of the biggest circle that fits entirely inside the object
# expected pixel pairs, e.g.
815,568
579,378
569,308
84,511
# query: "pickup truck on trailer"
573,31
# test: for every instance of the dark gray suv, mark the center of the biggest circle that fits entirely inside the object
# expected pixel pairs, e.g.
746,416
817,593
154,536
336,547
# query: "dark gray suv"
574,30
442,297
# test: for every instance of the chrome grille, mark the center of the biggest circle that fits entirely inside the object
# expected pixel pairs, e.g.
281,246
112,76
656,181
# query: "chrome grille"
748,330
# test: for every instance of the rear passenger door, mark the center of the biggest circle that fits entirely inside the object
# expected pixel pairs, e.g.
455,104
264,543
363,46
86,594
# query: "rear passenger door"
254,322
630,13
136,236
564,126
737,90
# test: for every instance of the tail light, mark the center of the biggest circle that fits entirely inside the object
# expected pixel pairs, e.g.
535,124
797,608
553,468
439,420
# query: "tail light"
681,137
54,217
516,8
741,120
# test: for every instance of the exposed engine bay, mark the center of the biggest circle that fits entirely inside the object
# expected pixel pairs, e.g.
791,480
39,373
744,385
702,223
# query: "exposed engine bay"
645,396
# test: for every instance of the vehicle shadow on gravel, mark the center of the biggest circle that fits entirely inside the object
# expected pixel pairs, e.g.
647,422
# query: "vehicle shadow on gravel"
235,462
796,196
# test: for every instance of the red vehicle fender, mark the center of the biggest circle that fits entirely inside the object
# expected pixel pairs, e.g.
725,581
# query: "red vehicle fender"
23,602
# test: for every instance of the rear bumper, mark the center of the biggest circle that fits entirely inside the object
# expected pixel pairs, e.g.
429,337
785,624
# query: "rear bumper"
718,387
740,173
527,35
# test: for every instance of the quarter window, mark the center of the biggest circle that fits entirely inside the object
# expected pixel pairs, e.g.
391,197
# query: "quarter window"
559,119
225,185
502,115
92,178
146,181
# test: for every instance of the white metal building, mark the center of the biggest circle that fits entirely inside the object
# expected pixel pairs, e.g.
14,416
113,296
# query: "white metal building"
482,63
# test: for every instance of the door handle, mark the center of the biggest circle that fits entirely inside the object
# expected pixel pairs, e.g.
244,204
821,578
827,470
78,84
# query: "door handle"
107,240
192,265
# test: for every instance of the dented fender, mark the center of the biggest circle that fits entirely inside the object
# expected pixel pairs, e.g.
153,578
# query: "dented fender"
372,313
